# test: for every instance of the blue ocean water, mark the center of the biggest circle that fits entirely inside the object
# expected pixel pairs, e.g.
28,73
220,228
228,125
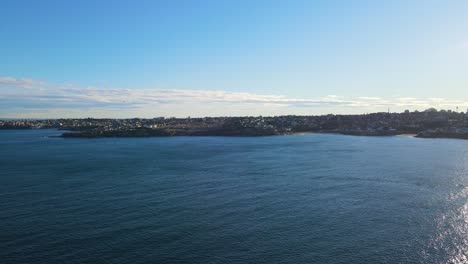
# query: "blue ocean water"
284,199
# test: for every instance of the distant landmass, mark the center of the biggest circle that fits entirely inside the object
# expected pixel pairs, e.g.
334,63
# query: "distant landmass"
427,124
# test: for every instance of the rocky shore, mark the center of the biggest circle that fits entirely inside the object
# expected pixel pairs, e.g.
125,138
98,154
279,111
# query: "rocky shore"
249,132
442,134
146,132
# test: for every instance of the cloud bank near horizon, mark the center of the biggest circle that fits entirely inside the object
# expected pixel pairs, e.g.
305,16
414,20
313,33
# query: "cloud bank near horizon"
33,98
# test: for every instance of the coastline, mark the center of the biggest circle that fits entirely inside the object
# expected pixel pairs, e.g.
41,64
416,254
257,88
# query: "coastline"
240,133
427,124
407,135
301,133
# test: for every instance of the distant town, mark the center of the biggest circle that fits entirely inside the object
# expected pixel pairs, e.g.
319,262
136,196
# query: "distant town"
430,123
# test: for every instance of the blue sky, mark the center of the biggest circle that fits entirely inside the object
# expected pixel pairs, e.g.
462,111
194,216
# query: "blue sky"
209,58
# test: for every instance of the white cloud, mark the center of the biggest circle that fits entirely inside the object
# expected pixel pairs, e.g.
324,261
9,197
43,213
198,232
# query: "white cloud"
214,102
369,98
21,83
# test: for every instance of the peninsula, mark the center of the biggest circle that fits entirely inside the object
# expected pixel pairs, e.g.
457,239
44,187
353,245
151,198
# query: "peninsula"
426,124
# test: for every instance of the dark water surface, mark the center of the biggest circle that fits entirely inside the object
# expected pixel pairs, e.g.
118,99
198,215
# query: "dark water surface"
286,199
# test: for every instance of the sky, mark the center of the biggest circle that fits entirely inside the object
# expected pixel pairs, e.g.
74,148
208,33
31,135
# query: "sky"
230,58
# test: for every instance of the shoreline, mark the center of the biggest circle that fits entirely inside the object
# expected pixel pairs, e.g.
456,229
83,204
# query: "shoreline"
427,124
125,134
300,133
407,135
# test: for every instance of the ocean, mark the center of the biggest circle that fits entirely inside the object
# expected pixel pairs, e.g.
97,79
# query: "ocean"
314,198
